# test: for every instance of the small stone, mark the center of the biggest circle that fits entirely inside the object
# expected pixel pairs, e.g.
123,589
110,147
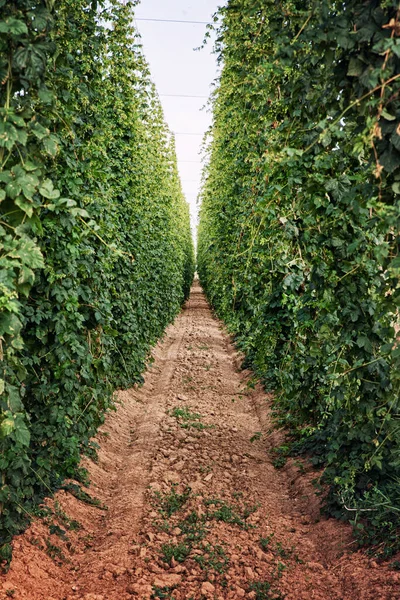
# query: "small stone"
249,572
179,569
141,590
167,580
155,486
259,554
207,588
196,486
316,566
171,477
177,531
240,592
156,569
208,477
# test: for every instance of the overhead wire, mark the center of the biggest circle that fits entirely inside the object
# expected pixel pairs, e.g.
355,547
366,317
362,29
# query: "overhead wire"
181,95
173,21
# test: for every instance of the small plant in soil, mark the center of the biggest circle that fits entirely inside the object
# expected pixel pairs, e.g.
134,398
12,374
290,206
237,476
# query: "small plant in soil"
178,552
279,462
188,419
56,530
35,542
283,552
171,502
237,495
163,525
263,591
280,568
265,541
70,524
256,436
213,558
54,551
230,514
193,527
249,510
164,592
83,496
10,593
184,414
88,540
91,451
300,466
395,565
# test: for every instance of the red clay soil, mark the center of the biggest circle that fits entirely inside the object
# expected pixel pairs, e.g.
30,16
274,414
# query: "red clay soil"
195,508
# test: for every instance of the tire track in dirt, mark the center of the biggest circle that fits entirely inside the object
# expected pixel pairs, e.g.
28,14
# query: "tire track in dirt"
196,509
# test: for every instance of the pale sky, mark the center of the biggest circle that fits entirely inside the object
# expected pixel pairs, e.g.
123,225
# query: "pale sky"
178,70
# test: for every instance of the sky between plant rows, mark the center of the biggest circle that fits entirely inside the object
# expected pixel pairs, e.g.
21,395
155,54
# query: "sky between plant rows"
178,71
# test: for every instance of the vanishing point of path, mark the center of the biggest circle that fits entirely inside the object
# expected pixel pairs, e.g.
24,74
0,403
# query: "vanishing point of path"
195,507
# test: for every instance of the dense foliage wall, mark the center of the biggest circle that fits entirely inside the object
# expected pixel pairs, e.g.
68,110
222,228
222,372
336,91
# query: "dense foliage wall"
96,253
299,231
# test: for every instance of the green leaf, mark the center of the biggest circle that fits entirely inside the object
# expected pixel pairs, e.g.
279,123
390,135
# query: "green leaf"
390,160
31,254
46,96
25,205
6,176
47,190
9,324
386,115
13,189
22,137
21,432
29,165
355,68
395,263
13,26
29,184
25,280
51,145
39,131
8,135
7,427
14,398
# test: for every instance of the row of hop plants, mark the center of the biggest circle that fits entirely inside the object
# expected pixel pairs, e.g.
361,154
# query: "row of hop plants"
96,254
299,233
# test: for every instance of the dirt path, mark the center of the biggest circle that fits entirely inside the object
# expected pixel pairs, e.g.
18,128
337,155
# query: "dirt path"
196,509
